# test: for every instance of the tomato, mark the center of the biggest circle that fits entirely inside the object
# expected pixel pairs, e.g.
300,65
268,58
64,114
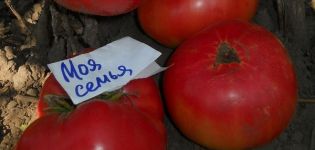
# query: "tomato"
96,125
100,7
232,86
133,120
172,21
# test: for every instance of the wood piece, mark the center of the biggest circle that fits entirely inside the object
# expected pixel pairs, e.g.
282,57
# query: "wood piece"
292,21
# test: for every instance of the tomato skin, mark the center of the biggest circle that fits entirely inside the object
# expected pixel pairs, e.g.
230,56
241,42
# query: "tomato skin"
231,105
172,21
145,95
93,125
100,7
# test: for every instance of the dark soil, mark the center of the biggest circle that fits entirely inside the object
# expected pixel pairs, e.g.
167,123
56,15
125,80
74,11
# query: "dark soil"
40,32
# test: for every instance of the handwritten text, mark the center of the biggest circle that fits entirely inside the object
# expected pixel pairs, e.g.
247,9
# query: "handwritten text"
72,72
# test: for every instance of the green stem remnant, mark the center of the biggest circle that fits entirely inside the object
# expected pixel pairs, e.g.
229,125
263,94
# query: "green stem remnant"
58,104
112,96
63,104
226,55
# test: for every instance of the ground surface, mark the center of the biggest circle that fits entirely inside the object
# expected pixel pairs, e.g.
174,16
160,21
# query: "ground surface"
47,33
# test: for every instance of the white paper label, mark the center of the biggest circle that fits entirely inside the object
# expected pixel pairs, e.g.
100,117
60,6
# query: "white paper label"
105,69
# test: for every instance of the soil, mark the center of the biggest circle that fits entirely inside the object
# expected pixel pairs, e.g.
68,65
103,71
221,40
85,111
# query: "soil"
34,33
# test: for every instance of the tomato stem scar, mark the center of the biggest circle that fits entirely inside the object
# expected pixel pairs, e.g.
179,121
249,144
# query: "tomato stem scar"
226,54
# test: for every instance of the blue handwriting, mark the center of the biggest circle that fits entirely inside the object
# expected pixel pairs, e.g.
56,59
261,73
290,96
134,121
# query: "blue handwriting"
81,70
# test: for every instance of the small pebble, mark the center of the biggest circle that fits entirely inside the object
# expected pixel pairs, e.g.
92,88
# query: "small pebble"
9,52
11,104
32,92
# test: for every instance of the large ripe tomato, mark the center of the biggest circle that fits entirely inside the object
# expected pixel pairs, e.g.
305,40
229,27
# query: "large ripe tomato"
172,21
96,125
100,7
232,86
132,120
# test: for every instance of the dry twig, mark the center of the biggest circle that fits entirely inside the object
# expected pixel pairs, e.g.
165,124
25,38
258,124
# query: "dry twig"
3,29
24,28
307,101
